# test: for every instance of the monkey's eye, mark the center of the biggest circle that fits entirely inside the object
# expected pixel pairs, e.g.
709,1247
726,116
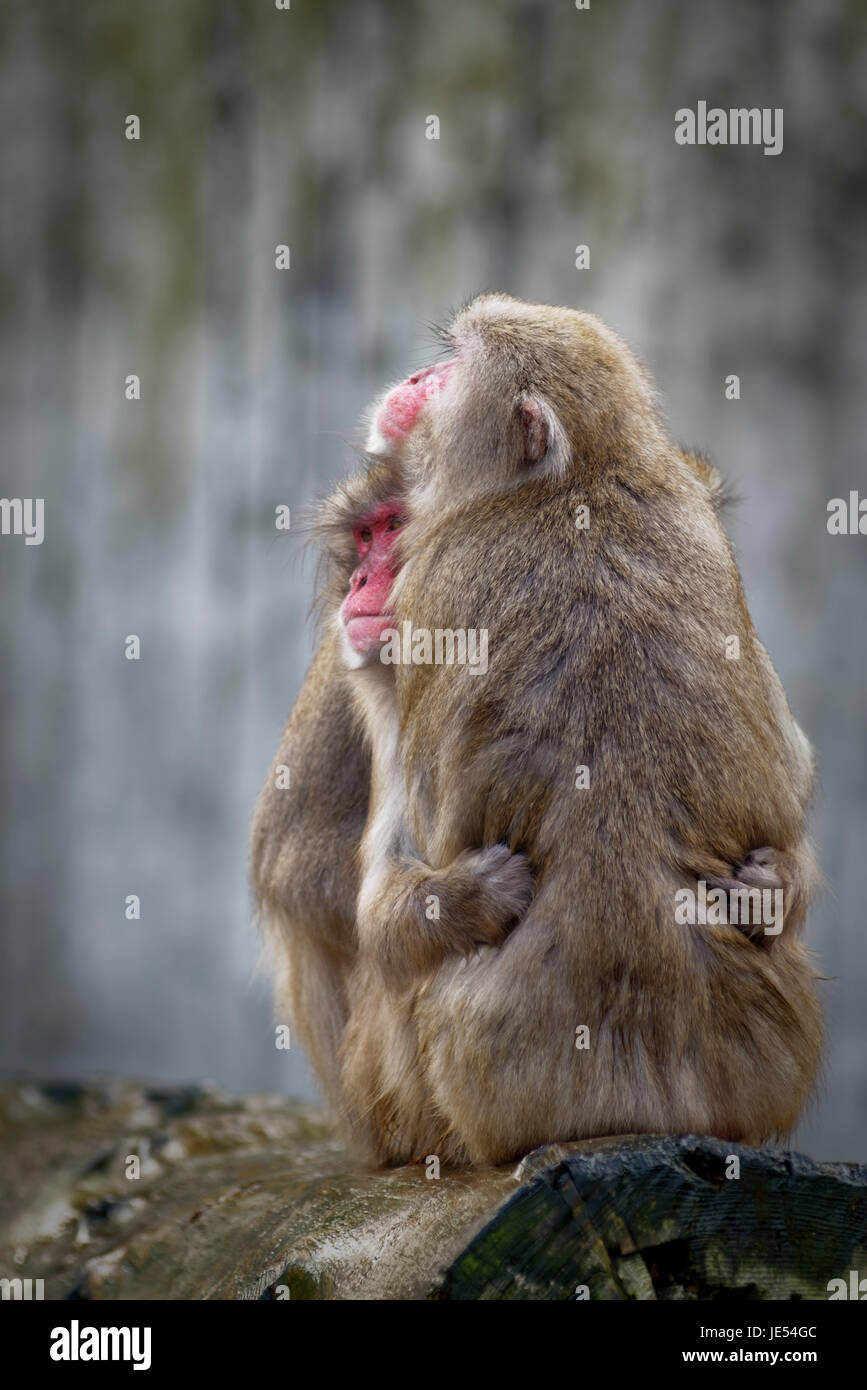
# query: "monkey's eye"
395,523
365,535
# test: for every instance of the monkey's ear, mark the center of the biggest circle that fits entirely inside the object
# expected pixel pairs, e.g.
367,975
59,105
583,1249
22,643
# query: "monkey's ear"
544,437
535,428
704,469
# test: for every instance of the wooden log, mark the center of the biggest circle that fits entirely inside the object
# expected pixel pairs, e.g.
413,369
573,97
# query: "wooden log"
125,1190
659,1217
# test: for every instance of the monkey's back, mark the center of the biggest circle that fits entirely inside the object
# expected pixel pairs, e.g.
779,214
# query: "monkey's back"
614,655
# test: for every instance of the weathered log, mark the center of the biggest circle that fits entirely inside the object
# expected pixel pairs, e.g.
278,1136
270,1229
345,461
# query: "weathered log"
247,1198
657,1217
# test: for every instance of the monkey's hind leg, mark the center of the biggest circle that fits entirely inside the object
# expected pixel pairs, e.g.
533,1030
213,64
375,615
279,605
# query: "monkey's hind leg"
389,1114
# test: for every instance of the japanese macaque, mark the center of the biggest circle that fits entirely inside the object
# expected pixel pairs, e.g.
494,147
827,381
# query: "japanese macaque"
517,968
311,814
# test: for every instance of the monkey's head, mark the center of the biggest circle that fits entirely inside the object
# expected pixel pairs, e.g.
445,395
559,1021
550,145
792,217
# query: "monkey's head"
528,391
365,613
359,524
529,394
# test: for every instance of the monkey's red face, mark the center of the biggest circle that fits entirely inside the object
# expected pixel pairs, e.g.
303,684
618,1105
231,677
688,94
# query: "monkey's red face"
365,612
396,416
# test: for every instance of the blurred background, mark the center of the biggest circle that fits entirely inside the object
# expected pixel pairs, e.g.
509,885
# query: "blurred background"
156,257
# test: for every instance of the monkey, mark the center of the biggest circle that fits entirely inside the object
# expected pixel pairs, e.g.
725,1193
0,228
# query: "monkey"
307,834
312,906
626,649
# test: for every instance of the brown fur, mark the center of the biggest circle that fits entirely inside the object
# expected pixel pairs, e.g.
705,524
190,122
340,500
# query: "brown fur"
607,649
306,838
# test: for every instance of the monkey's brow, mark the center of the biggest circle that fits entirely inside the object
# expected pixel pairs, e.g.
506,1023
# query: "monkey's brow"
440,332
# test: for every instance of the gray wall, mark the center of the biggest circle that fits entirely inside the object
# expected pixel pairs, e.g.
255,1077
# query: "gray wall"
157,257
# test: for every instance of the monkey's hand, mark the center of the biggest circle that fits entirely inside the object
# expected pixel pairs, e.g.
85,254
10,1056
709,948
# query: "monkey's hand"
413,917
771,871
498,893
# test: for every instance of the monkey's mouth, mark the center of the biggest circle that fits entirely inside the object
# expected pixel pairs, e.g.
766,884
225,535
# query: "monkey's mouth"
401,407
366,630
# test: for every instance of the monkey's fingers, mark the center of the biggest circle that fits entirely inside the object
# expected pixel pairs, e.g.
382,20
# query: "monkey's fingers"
506,882
749,928
766,870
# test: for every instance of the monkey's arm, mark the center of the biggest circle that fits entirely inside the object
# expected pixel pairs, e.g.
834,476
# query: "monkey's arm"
311,812
411,917
794,870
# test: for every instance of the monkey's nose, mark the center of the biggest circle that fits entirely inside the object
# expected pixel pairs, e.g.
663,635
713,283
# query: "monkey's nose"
400,409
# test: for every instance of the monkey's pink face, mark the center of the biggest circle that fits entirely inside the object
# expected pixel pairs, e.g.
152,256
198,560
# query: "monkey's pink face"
397,414
365,612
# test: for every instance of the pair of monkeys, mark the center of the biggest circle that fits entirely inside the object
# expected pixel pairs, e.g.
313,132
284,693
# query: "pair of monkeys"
476,942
